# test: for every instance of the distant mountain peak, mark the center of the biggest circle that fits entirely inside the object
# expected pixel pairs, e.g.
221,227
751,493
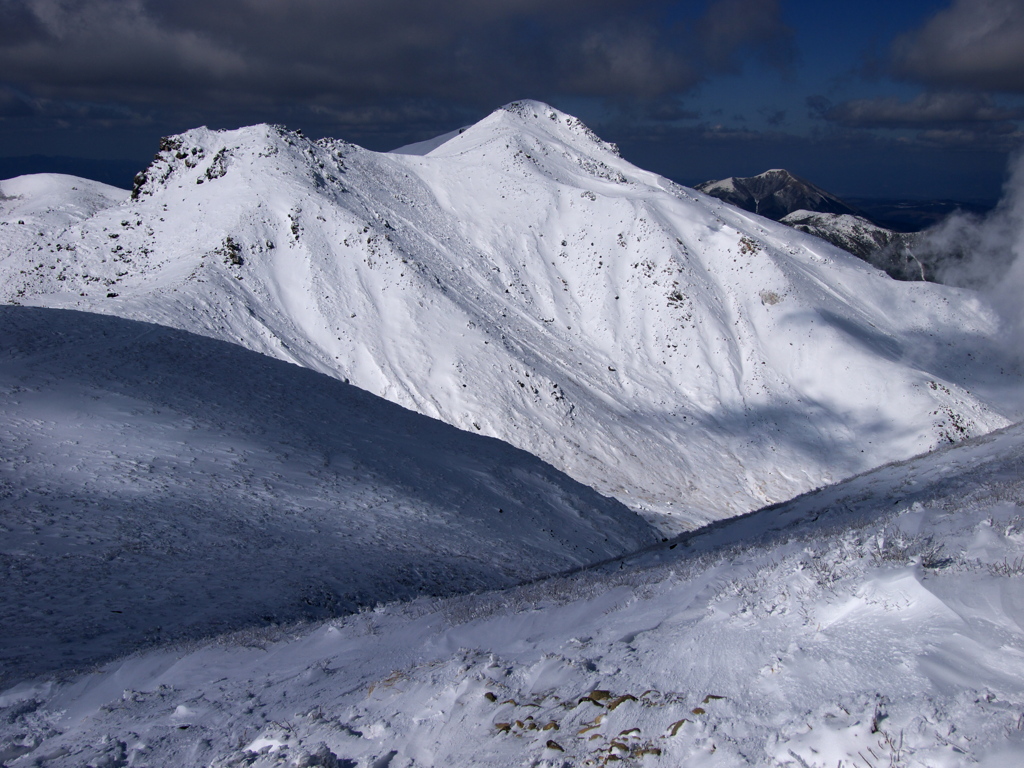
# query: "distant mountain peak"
775,193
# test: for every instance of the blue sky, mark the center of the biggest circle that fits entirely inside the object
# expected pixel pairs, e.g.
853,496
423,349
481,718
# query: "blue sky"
920,98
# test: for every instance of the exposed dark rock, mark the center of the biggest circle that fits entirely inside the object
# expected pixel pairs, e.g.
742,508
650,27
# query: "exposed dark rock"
774,194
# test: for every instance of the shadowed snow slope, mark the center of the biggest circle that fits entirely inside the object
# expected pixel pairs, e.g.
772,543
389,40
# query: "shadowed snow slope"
878,622
159,484
522,280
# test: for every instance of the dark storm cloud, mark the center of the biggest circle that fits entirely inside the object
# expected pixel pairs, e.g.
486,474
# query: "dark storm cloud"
927,109
248,53
614,62
106,47
773,117
666,110
973,43
19,23
15,104
732,26
1000,137
946,120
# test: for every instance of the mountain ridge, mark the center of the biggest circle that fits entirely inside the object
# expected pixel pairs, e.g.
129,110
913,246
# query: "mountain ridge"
884,249
524,281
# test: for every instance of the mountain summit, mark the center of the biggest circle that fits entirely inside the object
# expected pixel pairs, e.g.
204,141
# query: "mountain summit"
523,281
774,194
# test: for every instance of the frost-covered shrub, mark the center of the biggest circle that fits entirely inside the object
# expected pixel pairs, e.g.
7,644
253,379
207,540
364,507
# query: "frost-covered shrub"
1008,567
892,546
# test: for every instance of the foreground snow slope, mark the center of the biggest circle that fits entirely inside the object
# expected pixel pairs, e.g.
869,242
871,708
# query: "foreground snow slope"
522,280
157,484
879,622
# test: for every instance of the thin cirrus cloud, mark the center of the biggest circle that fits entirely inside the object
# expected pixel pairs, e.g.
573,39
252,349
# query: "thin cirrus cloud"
253,52
976,44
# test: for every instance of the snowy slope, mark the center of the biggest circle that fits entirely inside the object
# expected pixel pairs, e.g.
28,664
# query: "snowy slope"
53,199
428,146
156,484
522,280
876,623
34,207
883,248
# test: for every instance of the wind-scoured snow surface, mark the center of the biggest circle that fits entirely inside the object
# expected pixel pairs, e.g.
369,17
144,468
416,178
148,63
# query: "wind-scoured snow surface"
879,622
156,485
523,281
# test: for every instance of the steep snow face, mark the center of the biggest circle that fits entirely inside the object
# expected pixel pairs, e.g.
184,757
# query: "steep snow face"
524,281
425,147
160,485
876,623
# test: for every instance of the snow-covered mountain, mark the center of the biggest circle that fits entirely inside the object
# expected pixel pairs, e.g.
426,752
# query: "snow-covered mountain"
523,281
779,195
167,473
875,623
892,252
158,485
775,194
